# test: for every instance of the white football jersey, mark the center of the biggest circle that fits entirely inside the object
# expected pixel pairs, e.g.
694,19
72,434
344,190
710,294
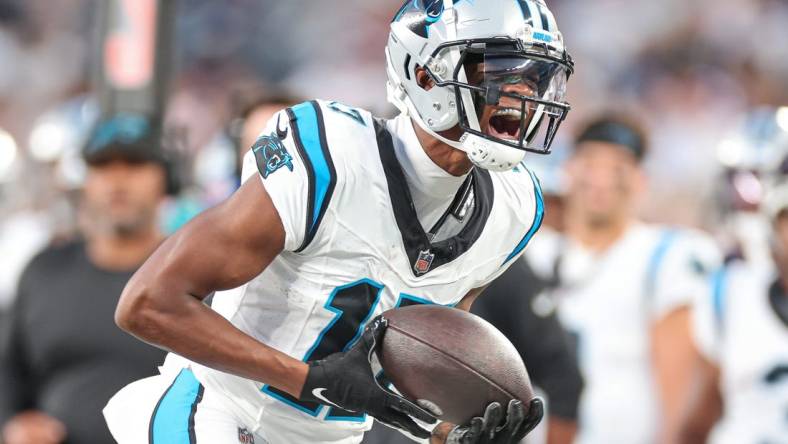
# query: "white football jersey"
736,327
354,247
609,301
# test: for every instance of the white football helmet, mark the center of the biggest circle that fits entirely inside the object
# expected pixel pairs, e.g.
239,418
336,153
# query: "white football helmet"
752,184
499,69
753,157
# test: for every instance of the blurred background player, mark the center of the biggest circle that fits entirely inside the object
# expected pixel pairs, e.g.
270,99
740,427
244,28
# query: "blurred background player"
516,303
740,326
61,355
509,303
752,159
622,288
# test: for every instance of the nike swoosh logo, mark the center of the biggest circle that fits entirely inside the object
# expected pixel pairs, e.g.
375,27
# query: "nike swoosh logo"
318,393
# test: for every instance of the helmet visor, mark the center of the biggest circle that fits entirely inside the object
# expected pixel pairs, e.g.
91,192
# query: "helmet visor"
517,99
532,78
505,91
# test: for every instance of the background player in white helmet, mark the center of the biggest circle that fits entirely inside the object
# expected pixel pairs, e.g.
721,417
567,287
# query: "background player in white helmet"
741,331
623,288
341,217
751,157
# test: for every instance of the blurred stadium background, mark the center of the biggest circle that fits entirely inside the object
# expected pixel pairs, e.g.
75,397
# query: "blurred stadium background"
692,69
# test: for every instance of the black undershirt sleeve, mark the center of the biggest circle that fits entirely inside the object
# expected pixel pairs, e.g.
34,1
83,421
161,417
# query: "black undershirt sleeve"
15,374
543,344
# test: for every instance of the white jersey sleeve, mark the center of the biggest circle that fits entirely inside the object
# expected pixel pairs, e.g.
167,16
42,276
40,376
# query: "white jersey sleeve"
707,316
275,160
681,264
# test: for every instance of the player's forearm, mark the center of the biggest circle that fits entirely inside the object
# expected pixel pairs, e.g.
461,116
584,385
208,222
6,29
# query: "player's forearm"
672,360
702,406
184,325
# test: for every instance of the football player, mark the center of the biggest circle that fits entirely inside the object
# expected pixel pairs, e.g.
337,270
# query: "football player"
623,288
751,157
341,217
740,329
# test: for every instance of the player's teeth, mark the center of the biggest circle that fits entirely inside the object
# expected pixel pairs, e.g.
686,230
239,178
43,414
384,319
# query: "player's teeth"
508,113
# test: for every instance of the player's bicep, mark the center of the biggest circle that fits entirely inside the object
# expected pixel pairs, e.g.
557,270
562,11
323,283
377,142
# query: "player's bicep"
468,300
267,215
224,247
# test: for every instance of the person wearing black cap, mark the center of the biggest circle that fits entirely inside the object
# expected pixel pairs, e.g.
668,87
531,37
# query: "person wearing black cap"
622,288
61,355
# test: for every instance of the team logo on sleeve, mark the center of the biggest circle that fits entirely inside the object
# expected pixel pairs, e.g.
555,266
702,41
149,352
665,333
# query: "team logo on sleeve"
271,154
424,262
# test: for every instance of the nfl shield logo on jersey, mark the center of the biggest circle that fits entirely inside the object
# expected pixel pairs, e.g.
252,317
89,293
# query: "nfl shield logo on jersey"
244,437
424,262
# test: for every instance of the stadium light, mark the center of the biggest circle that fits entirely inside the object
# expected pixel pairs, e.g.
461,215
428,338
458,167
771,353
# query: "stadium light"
8,151
47,141
729,151
782,118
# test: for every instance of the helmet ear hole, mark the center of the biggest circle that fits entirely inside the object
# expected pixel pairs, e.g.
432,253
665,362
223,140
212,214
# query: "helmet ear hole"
423,79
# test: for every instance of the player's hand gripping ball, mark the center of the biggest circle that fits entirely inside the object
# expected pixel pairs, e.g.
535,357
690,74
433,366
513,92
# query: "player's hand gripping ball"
495,427
346,380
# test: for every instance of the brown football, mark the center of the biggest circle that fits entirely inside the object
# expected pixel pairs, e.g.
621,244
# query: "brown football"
452,358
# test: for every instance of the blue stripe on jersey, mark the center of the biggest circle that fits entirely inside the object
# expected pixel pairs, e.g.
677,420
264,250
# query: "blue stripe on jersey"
718,284
268,391
173,417
312,140
655,262
308,129
405,300
538,216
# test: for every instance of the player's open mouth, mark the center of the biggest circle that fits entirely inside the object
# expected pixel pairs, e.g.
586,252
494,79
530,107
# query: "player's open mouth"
505,123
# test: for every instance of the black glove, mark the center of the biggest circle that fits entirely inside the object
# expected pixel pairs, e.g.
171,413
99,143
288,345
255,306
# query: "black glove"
497,428
345,380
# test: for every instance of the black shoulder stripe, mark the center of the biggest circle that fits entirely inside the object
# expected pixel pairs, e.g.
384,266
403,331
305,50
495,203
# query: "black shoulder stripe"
309,133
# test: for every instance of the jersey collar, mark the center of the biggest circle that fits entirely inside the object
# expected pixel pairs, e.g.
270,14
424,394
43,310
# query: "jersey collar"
423,255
